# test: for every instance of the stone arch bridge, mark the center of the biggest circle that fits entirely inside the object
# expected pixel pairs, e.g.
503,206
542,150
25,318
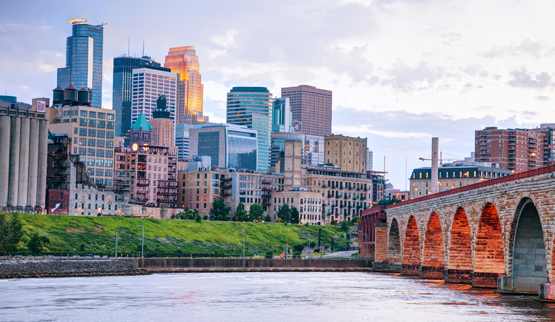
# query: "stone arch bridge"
497,233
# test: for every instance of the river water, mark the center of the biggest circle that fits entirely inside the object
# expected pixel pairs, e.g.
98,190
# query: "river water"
314,296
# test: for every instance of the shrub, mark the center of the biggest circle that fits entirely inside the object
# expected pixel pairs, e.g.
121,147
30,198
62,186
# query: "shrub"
269,254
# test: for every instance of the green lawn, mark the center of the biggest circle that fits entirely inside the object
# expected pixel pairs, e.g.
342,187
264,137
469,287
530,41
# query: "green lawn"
98,234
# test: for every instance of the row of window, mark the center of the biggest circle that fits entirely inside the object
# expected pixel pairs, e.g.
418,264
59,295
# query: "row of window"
95,123
94,133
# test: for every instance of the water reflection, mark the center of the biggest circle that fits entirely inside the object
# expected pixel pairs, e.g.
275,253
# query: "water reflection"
315,296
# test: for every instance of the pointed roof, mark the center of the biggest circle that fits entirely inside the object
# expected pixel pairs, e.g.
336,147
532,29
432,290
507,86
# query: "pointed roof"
141,122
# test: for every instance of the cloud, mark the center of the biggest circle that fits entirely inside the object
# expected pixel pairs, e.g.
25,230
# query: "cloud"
522,78
542,98
406,78
526,47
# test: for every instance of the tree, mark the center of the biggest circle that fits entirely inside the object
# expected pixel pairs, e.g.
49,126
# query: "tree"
163,210
284,213
240,213
295,215
298,247
269,254
219,210
10,233
267,218
344,225
37,242
323,213
198,218
256,212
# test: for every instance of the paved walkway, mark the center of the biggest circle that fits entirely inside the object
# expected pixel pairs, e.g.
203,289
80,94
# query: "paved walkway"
346,254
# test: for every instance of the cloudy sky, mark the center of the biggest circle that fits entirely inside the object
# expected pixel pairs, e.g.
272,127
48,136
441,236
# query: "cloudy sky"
401,72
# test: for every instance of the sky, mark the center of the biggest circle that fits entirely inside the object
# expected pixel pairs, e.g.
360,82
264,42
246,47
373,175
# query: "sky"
401,72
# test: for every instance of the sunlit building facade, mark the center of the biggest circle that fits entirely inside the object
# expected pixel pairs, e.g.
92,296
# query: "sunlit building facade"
184,61
148,84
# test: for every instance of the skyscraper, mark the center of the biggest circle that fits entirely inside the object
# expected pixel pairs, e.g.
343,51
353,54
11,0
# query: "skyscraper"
162,131
84,59
148,83
184,61
252,107
311,109
281,115
123,88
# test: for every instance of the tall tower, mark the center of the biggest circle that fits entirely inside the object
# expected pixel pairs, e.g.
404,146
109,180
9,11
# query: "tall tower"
162,132
184,60
435,148
84,59
311,109
252,107
123,88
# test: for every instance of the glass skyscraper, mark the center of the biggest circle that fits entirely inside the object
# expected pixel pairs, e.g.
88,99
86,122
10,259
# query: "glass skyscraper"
84,59
281,117
123,87
252,107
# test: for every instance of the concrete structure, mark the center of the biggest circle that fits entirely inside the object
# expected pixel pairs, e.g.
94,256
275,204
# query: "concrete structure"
311,109
346,152
189,107
452,176
84,59
516,149
229,146
23,143
497,233
252,107
148,85
91,131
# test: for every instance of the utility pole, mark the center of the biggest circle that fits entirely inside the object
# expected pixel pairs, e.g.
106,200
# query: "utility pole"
143,244
319,237
116,244
244,237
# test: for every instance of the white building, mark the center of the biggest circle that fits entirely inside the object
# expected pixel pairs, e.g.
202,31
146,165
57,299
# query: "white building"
148,84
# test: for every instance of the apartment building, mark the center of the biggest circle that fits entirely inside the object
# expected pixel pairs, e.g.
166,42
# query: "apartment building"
348,153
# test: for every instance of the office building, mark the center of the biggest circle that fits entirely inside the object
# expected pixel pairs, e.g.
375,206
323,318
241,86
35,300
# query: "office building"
184,61
311,108
162,127
515,149
23,155
281,115
148,84
313,150
452,176
182,141
252,107
228,145
84,59
122,93
369,160
346,152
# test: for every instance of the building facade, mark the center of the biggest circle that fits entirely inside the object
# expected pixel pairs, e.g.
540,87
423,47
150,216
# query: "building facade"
452,177
515,149
84,51
148,84
311,109
313,150
189,108
182,141
252,107
348,153
122,92
162,130
281,115
228,145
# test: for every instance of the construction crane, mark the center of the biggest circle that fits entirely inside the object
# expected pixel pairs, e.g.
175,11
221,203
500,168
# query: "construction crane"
441,159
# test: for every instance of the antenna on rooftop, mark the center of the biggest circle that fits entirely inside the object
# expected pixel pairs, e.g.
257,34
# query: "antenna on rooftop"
128,45
143,47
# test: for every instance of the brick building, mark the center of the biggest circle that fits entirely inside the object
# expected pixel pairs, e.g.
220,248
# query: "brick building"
311,109
348,153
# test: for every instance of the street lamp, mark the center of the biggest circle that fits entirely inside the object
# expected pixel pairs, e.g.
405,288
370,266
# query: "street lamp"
244,237
142,242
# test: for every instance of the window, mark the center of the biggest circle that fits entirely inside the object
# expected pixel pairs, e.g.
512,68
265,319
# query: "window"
109,163
101,124
92,122
109,144
92,132
110,116
100,143
82,113
110,125
83,122
82,141
99,162
92,114
100,133
109,134
99,152
92,142
75,130
101,115
82,131
91,152
109,153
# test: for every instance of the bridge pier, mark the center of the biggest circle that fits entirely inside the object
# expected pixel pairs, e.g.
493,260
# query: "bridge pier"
458,276
547,292
433,272
411,270
486,280
520,284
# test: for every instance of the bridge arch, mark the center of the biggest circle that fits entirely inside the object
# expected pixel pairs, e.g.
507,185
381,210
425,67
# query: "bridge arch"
527,250
411,249
460,250
433,261
489,258
394,243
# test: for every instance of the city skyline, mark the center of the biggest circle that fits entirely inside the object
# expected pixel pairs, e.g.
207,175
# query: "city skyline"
400,73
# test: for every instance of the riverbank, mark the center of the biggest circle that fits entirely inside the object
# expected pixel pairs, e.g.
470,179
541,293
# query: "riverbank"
67,268
257,269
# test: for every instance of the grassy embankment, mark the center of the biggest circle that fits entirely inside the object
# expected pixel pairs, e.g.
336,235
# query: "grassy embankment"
98,234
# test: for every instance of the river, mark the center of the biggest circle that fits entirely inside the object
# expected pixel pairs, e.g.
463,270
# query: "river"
314,296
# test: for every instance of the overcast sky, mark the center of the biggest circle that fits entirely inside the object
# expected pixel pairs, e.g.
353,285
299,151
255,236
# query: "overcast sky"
401,72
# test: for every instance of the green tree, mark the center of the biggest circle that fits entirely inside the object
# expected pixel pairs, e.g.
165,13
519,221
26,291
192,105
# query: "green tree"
10,233
295,217
37,242
240,213
198,218
323,213
219,210
267,218
298,248
284,213
344,225
269,254
163,209
256,212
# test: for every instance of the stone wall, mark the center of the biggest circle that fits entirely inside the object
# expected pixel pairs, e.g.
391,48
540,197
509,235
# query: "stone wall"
66,268
168,263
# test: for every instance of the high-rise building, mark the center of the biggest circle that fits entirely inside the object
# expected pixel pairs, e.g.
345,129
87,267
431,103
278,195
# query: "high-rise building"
346,152
311,109
313,150
281,115
184,61
84,59
123,89
252,107
148,84
515,149
182,141
370,160
228,146
162,131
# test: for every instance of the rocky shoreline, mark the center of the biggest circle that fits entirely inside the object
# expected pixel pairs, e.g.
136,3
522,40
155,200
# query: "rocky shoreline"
67,268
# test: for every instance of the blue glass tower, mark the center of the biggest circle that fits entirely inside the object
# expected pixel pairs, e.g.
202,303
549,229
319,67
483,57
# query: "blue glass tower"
84,59
252,107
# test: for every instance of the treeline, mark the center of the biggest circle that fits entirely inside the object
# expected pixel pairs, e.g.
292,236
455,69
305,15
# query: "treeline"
11,232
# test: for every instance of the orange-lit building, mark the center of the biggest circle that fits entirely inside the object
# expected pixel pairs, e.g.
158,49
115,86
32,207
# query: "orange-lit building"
184,61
